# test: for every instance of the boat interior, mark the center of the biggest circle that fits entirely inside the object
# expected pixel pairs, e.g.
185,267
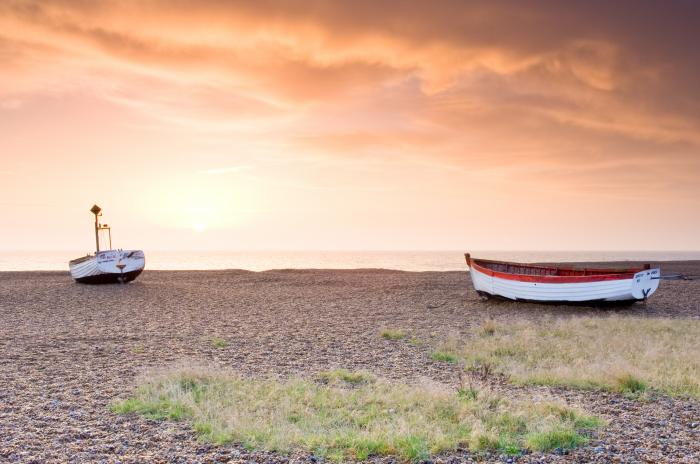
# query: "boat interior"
544,270
81,259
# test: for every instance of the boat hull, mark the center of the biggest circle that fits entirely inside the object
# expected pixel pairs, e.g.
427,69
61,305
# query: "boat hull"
109,278
625,289
111,266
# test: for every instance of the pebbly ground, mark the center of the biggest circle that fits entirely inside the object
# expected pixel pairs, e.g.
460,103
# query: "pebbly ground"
68,350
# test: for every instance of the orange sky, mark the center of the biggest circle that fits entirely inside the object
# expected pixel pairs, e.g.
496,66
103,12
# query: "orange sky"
350,125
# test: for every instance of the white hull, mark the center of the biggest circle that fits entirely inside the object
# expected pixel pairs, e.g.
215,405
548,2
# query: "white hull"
108,266
641,286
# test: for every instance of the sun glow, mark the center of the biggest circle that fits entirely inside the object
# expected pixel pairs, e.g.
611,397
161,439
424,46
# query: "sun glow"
199,202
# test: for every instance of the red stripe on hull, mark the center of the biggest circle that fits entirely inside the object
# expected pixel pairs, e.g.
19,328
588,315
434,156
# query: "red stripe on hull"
548,274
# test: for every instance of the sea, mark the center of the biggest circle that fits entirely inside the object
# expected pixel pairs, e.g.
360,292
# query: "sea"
265,260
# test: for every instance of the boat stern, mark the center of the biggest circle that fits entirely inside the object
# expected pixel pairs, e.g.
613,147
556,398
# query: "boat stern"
120,261
645,283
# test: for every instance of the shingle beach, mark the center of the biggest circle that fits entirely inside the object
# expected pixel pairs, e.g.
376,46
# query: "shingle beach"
68,350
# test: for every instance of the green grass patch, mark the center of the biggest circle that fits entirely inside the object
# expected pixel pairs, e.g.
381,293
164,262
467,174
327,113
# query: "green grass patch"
354,420
468,393
630,355
552,439
336,376
392,334
444,356
156,409
219,342
627,383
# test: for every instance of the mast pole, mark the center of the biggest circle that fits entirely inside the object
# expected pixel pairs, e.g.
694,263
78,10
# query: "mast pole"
97,234
96,211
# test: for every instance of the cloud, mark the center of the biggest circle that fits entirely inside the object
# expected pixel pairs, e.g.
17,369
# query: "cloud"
533,88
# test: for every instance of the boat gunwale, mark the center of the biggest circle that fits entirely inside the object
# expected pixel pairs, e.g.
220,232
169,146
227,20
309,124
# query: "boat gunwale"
599,274
82,259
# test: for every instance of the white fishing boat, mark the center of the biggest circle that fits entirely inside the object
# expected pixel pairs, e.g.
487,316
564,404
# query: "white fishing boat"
107,266
562,284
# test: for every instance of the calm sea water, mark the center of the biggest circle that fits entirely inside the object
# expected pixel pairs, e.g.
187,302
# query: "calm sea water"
263,260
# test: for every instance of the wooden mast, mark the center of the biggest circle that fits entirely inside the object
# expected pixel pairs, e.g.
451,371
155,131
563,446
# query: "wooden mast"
96,211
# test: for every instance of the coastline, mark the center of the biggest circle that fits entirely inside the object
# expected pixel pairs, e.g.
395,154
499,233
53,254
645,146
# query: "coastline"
399,260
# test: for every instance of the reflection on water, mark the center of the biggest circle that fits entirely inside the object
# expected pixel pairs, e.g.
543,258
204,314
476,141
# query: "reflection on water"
263,260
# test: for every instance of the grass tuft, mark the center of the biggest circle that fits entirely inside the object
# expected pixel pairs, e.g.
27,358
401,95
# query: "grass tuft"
392,334
161,408
354,420
468,393
553,439
137,349
488,327
336,376
218,342
629,384
412,448
444,356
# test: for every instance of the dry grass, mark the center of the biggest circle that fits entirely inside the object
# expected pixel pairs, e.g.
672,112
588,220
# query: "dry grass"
613,353
392,334
218,342
354,416
488,327
340,376
449,349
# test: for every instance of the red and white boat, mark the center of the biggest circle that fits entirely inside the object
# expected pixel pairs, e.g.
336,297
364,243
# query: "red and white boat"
559,284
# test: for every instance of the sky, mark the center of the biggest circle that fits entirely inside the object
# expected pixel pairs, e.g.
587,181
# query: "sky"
363,125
